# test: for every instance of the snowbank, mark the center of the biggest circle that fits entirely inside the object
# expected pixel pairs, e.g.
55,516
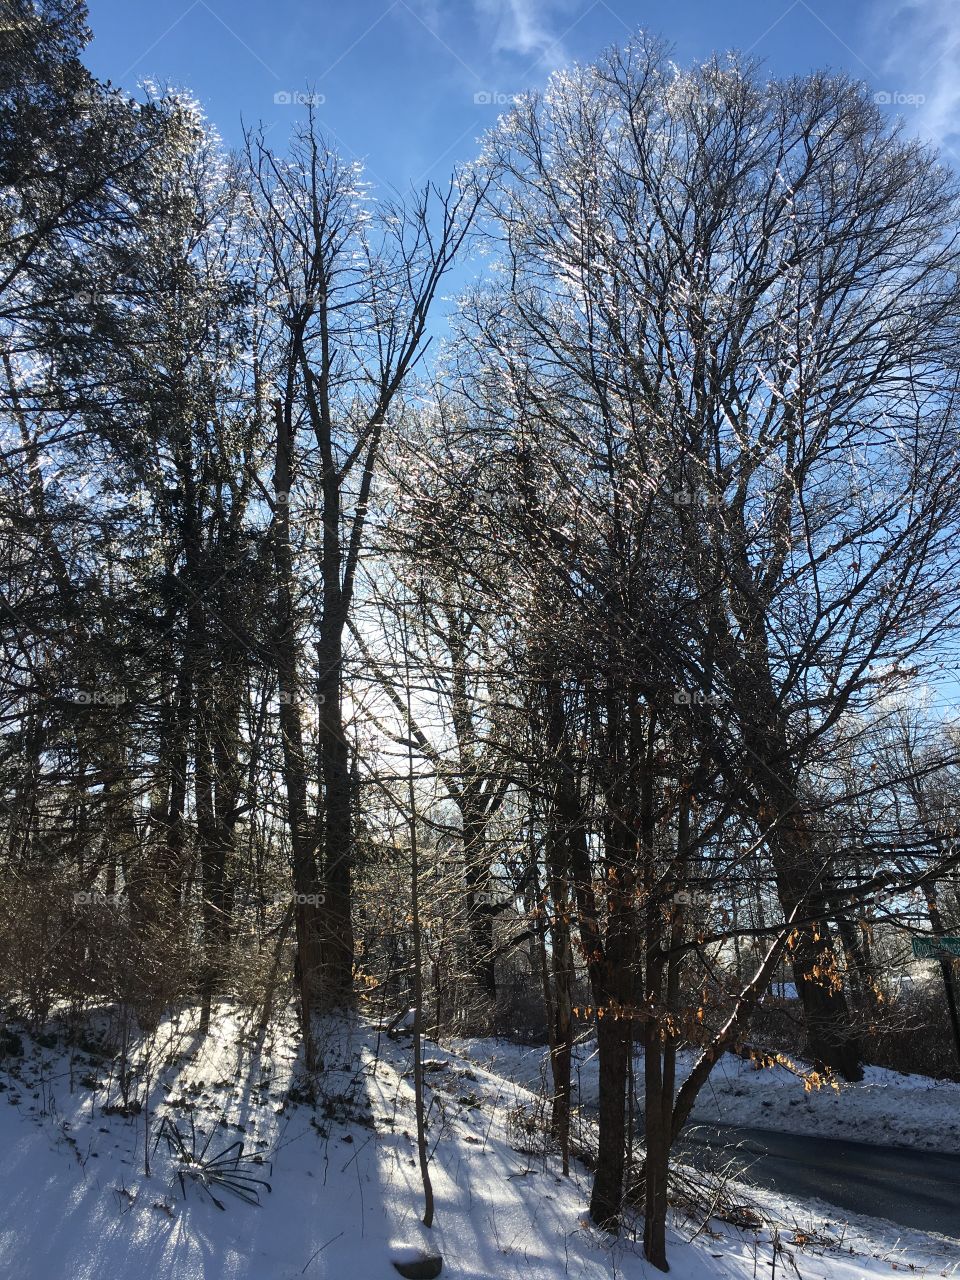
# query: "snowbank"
886,1108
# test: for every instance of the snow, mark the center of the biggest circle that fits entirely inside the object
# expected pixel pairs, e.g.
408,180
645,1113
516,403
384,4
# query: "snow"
886,1108
346,1198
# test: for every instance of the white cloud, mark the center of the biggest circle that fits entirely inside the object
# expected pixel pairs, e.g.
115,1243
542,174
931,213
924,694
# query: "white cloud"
922,61
523,27
531,29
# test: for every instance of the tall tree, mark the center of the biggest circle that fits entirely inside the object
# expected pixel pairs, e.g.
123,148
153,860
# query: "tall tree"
350,284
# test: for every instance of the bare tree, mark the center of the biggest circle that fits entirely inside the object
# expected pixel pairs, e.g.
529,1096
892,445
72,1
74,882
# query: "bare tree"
733,301
349,285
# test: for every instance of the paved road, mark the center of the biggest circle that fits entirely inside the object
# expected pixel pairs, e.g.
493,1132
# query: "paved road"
916,1189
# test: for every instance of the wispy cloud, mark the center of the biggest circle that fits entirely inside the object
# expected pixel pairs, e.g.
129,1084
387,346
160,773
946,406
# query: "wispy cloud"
922,65
523,27
529,31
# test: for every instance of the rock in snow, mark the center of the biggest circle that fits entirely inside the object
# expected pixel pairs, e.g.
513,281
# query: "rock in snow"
420,1266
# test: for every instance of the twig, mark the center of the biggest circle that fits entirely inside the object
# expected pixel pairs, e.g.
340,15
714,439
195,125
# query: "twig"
321,1249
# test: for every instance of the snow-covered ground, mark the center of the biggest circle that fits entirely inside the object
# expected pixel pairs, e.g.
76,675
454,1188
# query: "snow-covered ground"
346,1197
885,1108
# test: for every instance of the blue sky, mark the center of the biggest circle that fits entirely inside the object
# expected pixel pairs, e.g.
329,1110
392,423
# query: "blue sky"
399,79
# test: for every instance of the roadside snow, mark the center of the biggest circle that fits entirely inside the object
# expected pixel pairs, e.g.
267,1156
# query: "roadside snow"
346,1197
886,1108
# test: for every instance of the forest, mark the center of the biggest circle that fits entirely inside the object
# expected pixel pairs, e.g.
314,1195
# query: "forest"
520,606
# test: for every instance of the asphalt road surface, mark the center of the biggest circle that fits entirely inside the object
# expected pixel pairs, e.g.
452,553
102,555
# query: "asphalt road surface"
918,1189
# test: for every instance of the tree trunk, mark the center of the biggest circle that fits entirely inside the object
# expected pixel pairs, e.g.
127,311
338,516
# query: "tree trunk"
799,869
946,966
563,818
336,918
479,907
302,831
